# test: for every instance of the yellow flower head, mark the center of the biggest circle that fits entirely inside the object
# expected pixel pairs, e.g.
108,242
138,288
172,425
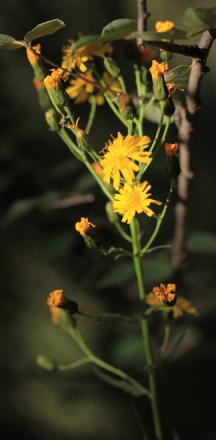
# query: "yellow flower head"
55,301
73,58
82,89
158,69
165,293
171,149
164,26
54,79
83,226
120,156
183,306
113,84
132,200
33,56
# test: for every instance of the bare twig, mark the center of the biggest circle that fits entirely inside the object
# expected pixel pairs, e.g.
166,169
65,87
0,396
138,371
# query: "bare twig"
184,125
142,17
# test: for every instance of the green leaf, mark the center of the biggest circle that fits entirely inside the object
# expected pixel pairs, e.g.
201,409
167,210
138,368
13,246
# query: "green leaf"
120,273
178,72
43,29
118,29
119,383
9,43
200,18
85,40
173,34
202,242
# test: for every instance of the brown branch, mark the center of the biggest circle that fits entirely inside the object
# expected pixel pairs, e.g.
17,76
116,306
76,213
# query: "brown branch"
185,128
188,50
142,17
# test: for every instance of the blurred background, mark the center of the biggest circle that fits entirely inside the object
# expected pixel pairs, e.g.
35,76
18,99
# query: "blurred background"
40,252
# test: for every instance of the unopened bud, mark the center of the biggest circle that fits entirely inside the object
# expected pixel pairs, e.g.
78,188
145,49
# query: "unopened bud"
55,89
46,363
33,55
52,119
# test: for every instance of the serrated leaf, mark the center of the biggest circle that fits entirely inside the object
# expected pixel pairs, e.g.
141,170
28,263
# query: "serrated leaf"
43,29
177,72
202,242
200,18
118,29
173,34
9,43
85,40
119,383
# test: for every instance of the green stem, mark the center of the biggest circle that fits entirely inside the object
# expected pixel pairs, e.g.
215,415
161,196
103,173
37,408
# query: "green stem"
99,180
160,219
75,333
145,330
73,365
122,232
70,144
91,114
114,109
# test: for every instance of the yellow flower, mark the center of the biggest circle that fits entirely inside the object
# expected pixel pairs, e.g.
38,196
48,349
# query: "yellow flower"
55,301
165,293
164,26
120,156
183,306
171,149
73,58
158,69
113,84
132,200
82,89
54,79
83,226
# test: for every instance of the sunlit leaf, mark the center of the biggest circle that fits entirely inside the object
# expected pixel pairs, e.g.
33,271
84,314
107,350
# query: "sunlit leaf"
85,40
202,242
43,29
118,29
200,18
9,43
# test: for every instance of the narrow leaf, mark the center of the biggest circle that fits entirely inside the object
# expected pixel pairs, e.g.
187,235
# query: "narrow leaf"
87,39
9,43
173,34
43,29
118,29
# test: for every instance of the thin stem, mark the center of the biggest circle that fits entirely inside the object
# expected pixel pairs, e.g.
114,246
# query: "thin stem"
99,180
73,365
122,231
114,109
159,220
70,144
91,114
145,329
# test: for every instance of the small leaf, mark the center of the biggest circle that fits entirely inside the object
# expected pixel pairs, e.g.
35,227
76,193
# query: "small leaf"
119,383
202,242
9,43
118,29
85,40
173,34
43,29
200,18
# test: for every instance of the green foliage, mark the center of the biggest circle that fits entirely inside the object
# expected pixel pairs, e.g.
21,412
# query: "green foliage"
118,29
157,268
129,348
202,242
121,272
123,385
9,43
44,29
87,39
200,18
173,34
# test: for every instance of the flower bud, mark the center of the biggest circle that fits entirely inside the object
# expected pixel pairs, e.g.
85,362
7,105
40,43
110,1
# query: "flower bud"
33,55
52,119
112,216
54,86
111,67
157,71
46,363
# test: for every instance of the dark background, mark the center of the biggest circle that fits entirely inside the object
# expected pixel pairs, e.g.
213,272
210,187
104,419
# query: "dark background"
40,252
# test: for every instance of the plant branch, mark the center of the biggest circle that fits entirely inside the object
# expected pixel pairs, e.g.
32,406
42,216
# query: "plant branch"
142,17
